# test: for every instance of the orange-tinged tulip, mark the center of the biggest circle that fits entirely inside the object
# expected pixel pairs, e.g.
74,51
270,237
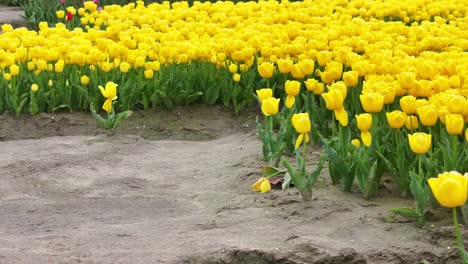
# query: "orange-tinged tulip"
419,142
264,94
351,78
364,121
270,106
450,188
454,124
366,138
266,69
408,104
262,185
396,118
372,102
428,115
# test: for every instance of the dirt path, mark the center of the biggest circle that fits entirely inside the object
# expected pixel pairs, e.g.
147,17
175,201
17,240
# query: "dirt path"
125,199
12,15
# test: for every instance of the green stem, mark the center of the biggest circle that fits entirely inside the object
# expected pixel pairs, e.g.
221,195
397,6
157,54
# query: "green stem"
460,245
420,172
454,146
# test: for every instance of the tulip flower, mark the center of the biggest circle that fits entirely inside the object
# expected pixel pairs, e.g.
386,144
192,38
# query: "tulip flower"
450,188
301,122
428,115
84,80
110,93
364,121
396,119
285,66
408,104
351,78
419,142
292,90
34,87
236,77
372,102
454,124
314,86
366,138
14,70
411,122
266,69
307,66
356,142
264,94
262,185
270,106
333,99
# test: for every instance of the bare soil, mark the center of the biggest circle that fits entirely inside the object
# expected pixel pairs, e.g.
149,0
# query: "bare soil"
174,187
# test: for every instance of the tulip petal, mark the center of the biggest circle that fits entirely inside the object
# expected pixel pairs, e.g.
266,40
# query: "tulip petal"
265,186
366,138
107,105
290,101
299,140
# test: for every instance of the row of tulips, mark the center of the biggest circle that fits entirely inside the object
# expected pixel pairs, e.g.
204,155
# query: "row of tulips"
384,89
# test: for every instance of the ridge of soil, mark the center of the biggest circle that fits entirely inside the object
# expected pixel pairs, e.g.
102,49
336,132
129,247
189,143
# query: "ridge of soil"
155,193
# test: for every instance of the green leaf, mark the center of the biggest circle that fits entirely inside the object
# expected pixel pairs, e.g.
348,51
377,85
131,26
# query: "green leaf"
373,181
211,94
406,212
318,169
286,181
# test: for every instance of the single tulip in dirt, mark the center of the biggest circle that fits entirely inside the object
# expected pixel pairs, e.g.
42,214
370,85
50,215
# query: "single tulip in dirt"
110,93
262,185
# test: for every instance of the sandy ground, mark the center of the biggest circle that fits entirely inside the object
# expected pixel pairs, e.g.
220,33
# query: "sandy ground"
135,197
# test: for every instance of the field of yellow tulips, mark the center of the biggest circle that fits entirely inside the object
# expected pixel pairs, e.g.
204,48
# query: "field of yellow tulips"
381,85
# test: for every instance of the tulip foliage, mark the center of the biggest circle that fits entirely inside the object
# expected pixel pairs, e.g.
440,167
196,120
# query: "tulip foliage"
384,84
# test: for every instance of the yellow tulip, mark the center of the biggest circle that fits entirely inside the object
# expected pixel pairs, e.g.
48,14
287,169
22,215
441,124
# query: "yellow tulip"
456,103
270,106
372,102
266,69
14,70
408,104
84,80
6,76
333,99
428,115
314,86
466,135
264,94
307,66
324,57
233,68
292,89
50,83
364,121
124,67
236,77
339,86
149,73
296,72
450,188
342,116
419,142
60,14
34,87
411,122
454,124
110,93
285,66
301,122
366,138
396,118
351,78
262,185
356,142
